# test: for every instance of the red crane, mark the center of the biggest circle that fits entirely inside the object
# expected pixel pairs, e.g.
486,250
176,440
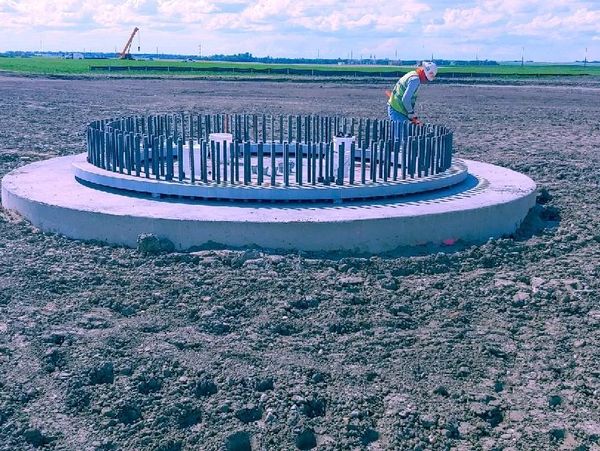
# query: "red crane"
125,53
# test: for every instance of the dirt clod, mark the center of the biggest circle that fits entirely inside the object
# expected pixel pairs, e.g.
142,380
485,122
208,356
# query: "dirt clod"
249,414
150,244
36,438
239,441
554,401
543,196
306,440
205,387
103,373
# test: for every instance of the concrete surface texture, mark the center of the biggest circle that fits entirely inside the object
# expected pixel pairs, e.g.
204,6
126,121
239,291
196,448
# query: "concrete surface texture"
491,202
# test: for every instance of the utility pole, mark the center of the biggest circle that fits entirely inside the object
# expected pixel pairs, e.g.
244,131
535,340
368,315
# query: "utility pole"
199,50
522,56
585,60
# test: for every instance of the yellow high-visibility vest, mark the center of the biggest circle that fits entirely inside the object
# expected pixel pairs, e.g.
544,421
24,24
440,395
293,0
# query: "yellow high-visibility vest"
395,100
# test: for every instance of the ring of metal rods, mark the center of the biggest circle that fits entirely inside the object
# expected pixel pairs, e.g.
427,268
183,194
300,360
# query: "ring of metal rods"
268,150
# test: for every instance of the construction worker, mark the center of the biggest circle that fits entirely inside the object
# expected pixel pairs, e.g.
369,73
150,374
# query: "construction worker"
401,103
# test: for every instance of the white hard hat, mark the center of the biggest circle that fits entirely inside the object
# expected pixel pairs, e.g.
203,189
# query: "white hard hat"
430,69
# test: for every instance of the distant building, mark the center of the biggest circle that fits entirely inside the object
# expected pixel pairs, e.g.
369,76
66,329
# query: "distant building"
73,56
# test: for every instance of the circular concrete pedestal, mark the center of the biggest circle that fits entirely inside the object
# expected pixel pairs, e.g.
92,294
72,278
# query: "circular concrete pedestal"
491,201
87,172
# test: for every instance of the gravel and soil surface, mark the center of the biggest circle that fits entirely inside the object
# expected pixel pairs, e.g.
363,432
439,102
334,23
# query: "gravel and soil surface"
493,346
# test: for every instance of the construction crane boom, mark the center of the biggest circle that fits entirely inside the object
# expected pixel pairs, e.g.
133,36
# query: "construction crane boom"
125,53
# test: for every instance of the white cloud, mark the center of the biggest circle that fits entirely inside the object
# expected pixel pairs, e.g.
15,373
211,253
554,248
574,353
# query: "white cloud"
578,21
324,15
263,10
499,28
465,19
358,15
46,13
533,17
185,11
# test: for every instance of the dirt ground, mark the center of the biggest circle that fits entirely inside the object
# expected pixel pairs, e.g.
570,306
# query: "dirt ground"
493,346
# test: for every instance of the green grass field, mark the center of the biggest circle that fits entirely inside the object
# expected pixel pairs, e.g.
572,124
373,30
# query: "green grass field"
58,66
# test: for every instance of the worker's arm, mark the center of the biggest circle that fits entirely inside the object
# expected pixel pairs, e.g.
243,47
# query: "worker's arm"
411,87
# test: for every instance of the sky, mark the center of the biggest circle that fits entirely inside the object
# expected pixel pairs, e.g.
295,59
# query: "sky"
541,30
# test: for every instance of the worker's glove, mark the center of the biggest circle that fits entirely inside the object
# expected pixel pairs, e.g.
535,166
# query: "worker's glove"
415,120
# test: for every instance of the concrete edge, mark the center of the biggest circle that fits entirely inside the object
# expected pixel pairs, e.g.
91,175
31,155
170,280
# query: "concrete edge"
358,236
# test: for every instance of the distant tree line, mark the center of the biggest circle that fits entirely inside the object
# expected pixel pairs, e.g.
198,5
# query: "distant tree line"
249,58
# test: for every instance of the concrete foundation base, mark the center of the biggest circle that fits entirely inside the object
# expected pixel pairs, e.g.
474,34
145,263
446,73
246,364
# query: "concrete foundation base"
490,202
